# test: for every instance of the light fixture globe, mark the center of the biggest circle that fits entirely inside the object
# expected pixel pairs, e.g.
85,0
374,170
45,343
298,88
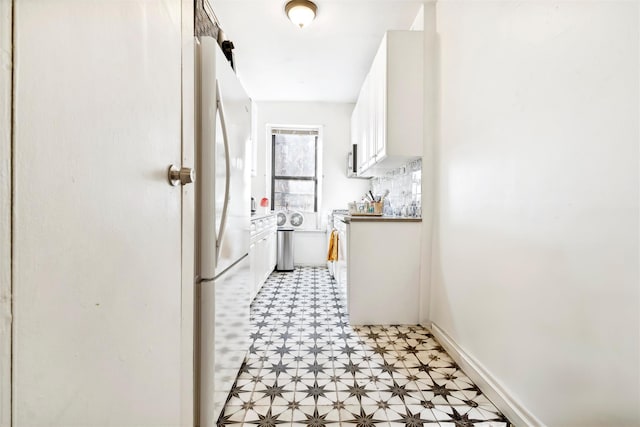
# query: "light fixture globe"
301,12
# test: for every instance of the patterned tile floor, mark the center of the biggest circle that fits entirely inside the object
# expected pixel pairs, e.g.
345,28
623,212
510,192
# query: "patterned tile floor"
308,367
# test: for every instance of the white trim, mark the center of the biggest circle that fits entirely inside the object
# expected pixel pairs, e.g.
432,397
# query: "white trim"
187,372
6,99
510,407
270,127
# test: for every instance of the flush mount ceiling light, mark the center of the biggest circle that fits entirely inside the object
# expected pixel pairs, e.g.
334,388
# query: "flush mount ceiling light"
301,12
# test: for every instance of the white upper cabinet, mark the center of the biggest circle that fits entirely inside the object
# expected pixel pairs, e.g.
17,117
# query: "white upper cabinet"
386,123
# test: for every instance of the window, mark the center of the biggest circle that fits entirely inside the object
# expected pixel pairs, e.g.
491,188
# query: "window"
294,169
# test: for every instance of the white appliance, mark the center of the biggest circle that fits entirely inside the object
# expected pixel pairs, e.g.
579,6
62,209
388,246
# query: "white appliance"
330,229
223,217
337,269
341,265
290,218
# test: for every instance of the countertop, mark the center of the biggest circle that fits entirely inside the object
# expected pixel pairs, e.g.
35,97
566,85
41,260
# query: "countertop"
357,218
261,215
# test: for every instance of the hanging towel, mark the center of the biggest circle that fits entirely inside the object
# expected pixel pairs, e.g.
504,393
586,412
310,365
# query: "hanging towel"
333,246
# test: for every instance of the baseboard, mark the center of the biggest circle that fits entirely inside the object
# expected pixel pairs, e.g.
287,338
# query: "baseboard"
513,410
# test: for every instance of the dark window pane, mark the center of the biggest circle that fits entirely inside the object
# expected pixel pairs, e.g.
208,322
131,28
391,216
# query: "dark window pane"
295,155
294,195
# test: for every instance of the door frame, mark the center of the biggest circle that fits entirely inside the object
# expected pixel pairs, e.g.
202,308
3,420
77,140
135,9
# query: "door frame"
6,174
188,384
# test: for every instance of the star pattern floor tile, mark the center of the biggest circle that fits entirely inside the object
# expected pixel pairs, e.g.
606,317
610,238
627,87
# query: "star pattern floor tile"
308,367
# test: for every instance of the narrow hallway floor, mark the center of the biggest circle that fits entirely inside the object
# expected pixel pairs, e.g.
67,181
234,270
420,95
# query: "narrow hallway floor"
308,367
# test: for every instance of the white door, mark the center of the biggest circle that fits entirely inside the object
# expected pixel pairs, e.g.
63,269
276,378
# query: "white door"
97,228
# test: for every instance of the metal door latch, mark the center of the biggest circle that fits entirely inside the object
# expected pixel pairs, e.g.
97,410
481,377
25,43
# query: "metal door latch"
181,176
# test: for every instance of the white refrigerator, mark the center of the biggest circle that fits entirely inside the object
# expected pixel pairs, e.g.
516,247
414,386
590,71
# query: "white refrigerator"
223,215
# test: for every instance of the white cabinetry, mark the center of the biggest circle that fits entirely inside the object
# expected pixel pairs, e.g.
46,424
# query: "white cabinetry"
383,272
272,250
262,250
386,123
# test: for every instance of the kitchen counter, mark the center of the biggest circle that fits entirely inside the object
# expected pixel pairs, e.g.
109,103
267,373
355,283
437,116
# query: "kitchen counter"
258,215
357,218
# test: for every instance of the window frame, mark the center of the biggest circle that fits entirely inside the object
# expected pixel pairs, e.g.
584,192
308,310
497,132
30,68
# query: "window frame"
275,177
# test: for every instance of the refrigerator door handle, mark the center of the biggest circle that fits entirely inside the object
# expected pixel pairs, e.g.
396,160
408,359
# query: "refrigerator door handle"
227,159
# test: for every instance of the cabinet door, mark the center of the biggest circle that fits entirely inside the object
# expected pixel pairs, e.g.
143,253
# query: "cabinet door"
342,263
379,89
253,272
354,133
367,129
372,141
404,95
360,134
258,266
273,251
265,259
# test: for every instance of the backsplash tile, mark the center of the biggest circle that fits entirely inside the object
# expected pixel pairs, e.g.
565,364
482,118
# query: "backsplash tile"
405,189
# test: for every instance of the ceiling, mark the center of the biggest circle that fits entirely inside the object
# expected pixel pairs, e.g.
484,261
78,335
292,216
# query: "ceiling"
326,61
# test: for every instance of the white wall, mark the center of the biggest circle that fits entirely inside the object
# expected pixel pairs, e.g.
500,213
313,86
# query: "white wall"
310,247
430,108
535,268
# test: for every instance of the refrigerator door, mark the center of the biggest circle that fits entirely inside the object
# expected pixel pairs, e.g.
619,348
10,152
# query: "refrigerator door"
225,133
224,336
